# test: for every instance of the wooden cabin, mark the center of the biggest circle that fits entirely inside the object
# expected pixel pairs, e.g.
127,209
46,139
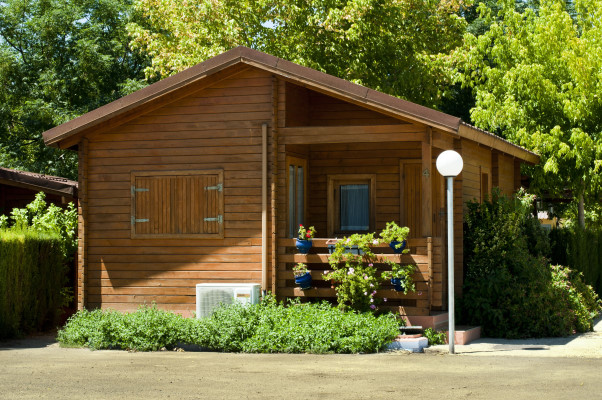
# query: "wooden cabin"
19,188
205,176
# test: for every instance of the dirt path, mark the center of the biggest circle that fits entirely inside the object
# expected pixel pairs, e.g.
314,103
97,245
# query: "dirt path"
39,368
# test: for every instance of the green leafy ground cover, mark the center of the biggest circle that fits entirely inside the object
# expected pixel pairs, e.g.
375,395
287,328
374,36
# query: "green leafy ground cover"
268,327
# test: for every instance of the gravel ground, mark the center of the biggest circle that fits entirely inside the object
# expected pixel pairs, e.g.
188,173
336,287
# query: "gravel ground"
562,369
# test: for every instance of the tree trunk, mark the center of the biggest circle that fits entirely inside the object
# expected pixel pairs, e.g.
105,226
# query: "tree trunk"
581,211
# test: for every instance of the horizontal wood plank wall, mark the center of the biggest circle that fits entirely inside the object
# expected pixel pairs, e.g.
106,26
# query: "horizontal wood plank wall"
381,159
476,158
309,108
216,128
506,173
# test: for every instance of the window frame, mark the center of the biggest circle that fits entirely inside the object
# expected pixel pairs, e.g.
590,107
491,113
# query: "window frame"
220,204
334,183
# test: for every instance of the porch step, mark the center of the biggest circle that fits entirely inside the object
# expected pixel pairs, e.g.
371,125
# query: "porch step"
412,329
437,320
413,343
465,334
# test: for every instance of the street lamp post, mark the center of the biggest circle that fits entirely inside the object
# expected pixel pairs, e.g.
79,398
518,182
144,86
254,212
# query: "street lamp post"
450,164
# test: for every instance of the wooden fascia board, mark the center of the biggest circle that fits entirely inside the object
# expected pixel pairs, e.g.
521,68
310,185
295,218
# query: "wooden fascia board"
36,188
133,110
359,97
345,134
492,141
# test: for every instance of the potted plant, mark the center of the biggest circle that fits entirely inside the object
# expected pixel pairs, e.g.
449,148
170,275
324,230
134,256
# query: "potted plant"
302,276
303,242
400,277
353,274
395,236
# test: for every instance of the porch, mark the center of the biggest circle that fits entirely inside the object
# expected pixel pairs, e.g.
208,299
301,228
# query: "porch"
425,254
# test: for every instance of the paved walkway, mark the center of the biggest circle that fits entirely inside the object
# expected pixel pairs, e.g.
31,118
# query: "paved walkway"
585,345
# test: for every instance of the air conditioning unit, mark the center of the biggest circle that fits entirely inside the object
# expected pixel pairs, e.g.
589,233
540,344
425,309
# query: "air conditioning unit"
210,295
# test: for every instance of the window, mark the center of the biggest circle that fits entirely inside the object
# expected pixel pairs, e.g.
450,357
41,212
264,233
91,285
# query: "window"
351,203
182,204
296,184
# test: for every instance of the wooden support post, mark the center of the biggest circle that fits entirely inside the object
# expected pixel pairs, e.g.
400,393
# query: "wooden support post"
82,224
427,189
429,252
264,207
274,187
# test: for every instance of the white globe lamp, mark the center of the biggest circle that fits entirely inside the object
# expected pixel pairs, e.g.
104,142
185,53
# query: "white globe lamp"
450,164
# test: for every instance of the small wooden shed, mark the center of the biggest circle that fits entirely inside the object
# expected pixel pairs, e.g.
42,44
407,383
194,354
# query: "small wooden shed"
19,188
205,176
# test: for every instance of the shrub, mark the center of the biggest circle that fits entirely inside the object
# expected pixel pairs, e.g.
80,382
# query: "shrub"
264,328
32,276
434,337
510,289
581,250
148,329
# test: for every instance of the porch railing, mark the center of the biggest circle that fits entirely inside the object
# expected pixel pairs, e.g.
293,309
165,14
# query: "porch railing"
425,253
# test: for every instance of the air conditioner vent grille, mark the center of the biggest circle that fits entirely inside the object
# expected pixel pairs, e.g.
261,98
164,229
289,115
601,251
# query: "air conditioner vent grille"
210,295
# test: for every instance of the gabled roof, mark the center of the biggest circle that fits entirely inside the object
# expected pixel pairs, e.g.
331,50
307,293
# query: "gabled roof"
39,182
293,72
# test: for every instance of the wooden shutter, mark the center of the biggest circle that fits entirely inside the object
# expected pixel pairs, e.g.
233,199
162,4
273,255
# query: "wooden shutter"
177,204
411,196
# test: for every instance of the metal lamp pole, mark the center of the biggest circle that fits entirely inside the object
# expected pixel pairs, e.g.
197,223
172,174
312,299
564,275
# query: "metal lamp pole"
450,164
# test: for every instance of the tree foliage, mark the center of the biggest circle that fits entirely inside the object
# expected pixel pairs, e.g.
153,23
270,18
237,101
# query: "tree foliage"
58,60
386,45
537,80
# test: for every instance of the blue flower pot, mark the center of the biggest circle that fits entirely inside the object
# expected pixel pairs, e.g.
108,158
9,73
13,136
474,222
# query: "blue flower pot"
303,281
397,285
303,246
400,249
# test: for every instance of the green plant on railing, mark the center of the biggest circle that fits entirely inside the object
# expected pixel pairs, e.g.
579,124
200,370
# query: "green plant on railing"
403,273
395,233
354,275
300,269
306,234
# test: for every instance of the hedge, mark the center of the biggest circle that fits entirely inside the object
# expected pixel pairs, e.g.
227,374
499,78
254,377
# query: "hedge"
32,277
580,249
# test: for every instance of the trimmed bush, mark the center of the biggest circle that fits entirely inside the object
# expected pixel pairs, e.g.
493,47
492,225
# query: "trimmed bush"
265,328
580,249
32,277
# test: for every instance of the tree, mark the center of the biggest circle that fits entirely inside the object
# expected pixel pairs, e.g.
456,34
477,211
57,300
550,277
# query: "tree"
536,76
58,60
386,45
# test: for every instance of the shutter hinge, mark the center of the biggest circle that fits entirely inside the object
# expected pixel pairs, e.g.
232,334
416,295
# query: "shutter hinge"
135,189
219,187
219,219
134,220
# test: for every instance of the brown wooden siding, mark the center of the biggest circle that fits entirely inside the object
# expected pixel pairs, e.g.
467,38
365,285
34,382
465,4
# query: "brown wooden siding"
310,108
506,174
477,161
380,159
216,128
